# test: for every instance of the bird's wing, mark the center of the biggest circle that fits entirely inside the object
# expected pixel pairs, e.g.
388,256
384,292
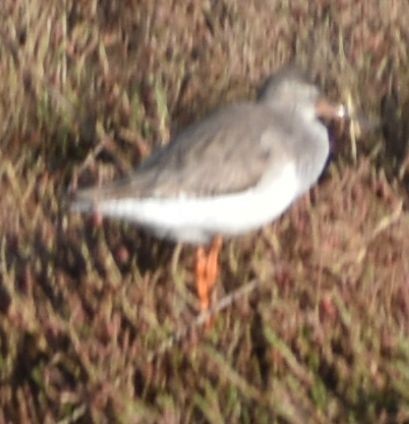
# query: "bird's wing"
226,152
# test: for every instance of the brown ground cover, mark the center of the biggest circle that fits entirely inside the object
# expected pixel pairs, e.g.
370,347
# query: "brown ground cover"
98,323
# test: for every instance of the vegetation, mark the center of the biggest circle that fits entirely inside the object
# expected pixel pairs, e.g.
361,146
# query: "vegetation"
98,321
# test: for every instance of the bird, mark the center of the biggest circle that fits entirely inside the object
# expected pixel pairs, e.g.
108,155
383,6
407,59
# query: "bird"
230,173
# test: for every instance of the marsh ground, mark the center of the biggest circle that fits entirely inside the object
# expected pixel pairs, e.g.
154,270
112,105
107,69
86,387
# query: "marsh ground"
87,89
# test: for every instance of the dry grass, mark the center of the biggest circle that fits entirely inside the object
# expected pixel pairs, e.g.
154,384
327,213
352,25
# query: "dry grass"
87,89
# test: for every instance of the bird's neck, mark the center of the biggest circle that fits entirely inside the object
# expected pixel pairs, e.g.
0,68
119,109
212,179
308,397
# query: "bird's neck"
313,148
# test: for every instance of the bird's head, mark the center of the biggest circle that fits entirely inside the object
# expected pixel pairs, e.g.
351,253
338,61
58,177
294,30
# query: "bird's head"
289,88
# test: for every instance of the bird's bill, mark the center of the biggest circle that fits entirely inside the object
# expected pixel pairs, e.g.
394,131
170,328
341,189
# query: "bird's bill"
328,110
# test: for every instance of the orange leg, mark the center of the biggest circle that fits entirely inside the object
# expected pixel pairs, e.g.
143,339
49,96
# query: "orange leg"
201,278
212,268
207,270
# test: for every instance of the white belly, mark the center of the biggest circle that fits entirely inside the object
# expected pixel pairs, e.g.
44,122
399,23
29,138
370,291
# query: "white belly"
197,220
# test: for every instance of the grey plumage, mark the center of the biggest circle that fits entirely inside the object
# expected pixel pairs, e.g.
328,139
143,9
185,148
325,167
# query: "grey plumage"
230,150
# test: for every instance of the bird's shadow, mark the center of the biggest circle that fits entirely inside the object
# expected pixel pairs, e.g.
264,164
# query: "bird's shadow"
147,251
